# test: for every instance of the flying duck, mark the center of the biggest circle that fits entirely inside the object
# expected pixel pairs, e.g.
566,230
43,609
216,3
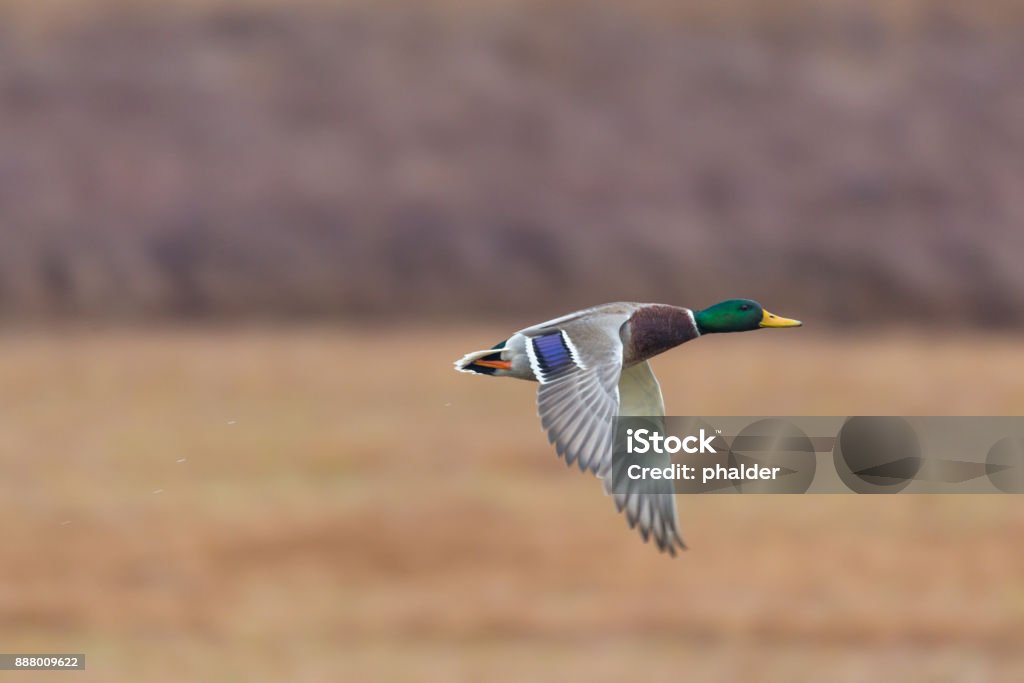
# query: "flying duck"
591,366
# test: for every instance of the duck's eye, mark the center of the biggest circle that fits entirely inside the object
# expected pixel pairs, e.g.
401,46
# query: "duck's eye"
745,307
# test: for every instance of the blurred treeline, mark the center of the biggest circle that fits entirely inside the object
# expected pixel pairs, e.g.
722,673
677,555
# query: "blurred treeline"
847,161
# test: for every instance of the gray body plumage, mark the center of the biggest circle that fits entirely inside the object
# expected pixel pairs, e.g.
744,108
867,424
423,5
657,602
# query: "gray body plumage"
592,367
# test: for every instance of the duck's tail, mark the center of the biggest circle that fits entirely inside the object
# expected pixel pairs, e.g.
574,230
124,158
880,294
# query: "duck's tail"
484,362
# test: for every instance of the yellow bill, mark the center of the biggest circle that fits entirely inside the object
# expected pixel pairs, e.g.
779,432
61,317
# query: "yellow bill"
772,320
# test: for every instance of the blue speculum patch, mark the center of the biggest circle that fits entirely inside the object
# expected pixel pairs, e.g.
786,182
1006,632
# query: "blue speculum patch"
552,353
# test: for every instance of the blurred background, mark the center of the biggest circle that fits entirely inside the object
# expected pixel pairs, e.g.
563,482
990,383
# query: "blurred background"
241,242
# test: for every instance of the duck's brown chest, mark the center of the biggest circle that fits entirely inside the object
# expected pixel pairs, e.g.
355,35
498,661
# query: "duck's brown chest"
655,329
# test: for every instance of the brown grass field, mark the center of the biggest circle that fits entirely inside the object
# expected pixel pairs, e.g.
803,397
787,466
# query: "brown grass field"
324,504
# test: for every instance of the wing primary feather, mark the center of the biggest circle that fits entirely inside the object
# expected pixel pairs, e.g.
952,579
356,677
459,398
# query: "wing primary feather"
583,387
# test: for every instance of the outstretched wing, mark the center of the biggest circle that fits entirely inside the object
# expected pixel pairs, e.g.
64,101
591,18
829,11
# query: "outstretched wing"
649,504
578,366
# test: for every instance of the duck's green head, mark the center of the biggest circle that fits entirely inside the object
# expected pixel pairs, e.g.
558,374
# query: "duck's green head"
738,315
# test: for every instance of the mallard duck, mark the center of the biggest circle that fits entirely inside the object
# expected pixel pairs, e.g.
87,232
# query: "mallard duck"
591,366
